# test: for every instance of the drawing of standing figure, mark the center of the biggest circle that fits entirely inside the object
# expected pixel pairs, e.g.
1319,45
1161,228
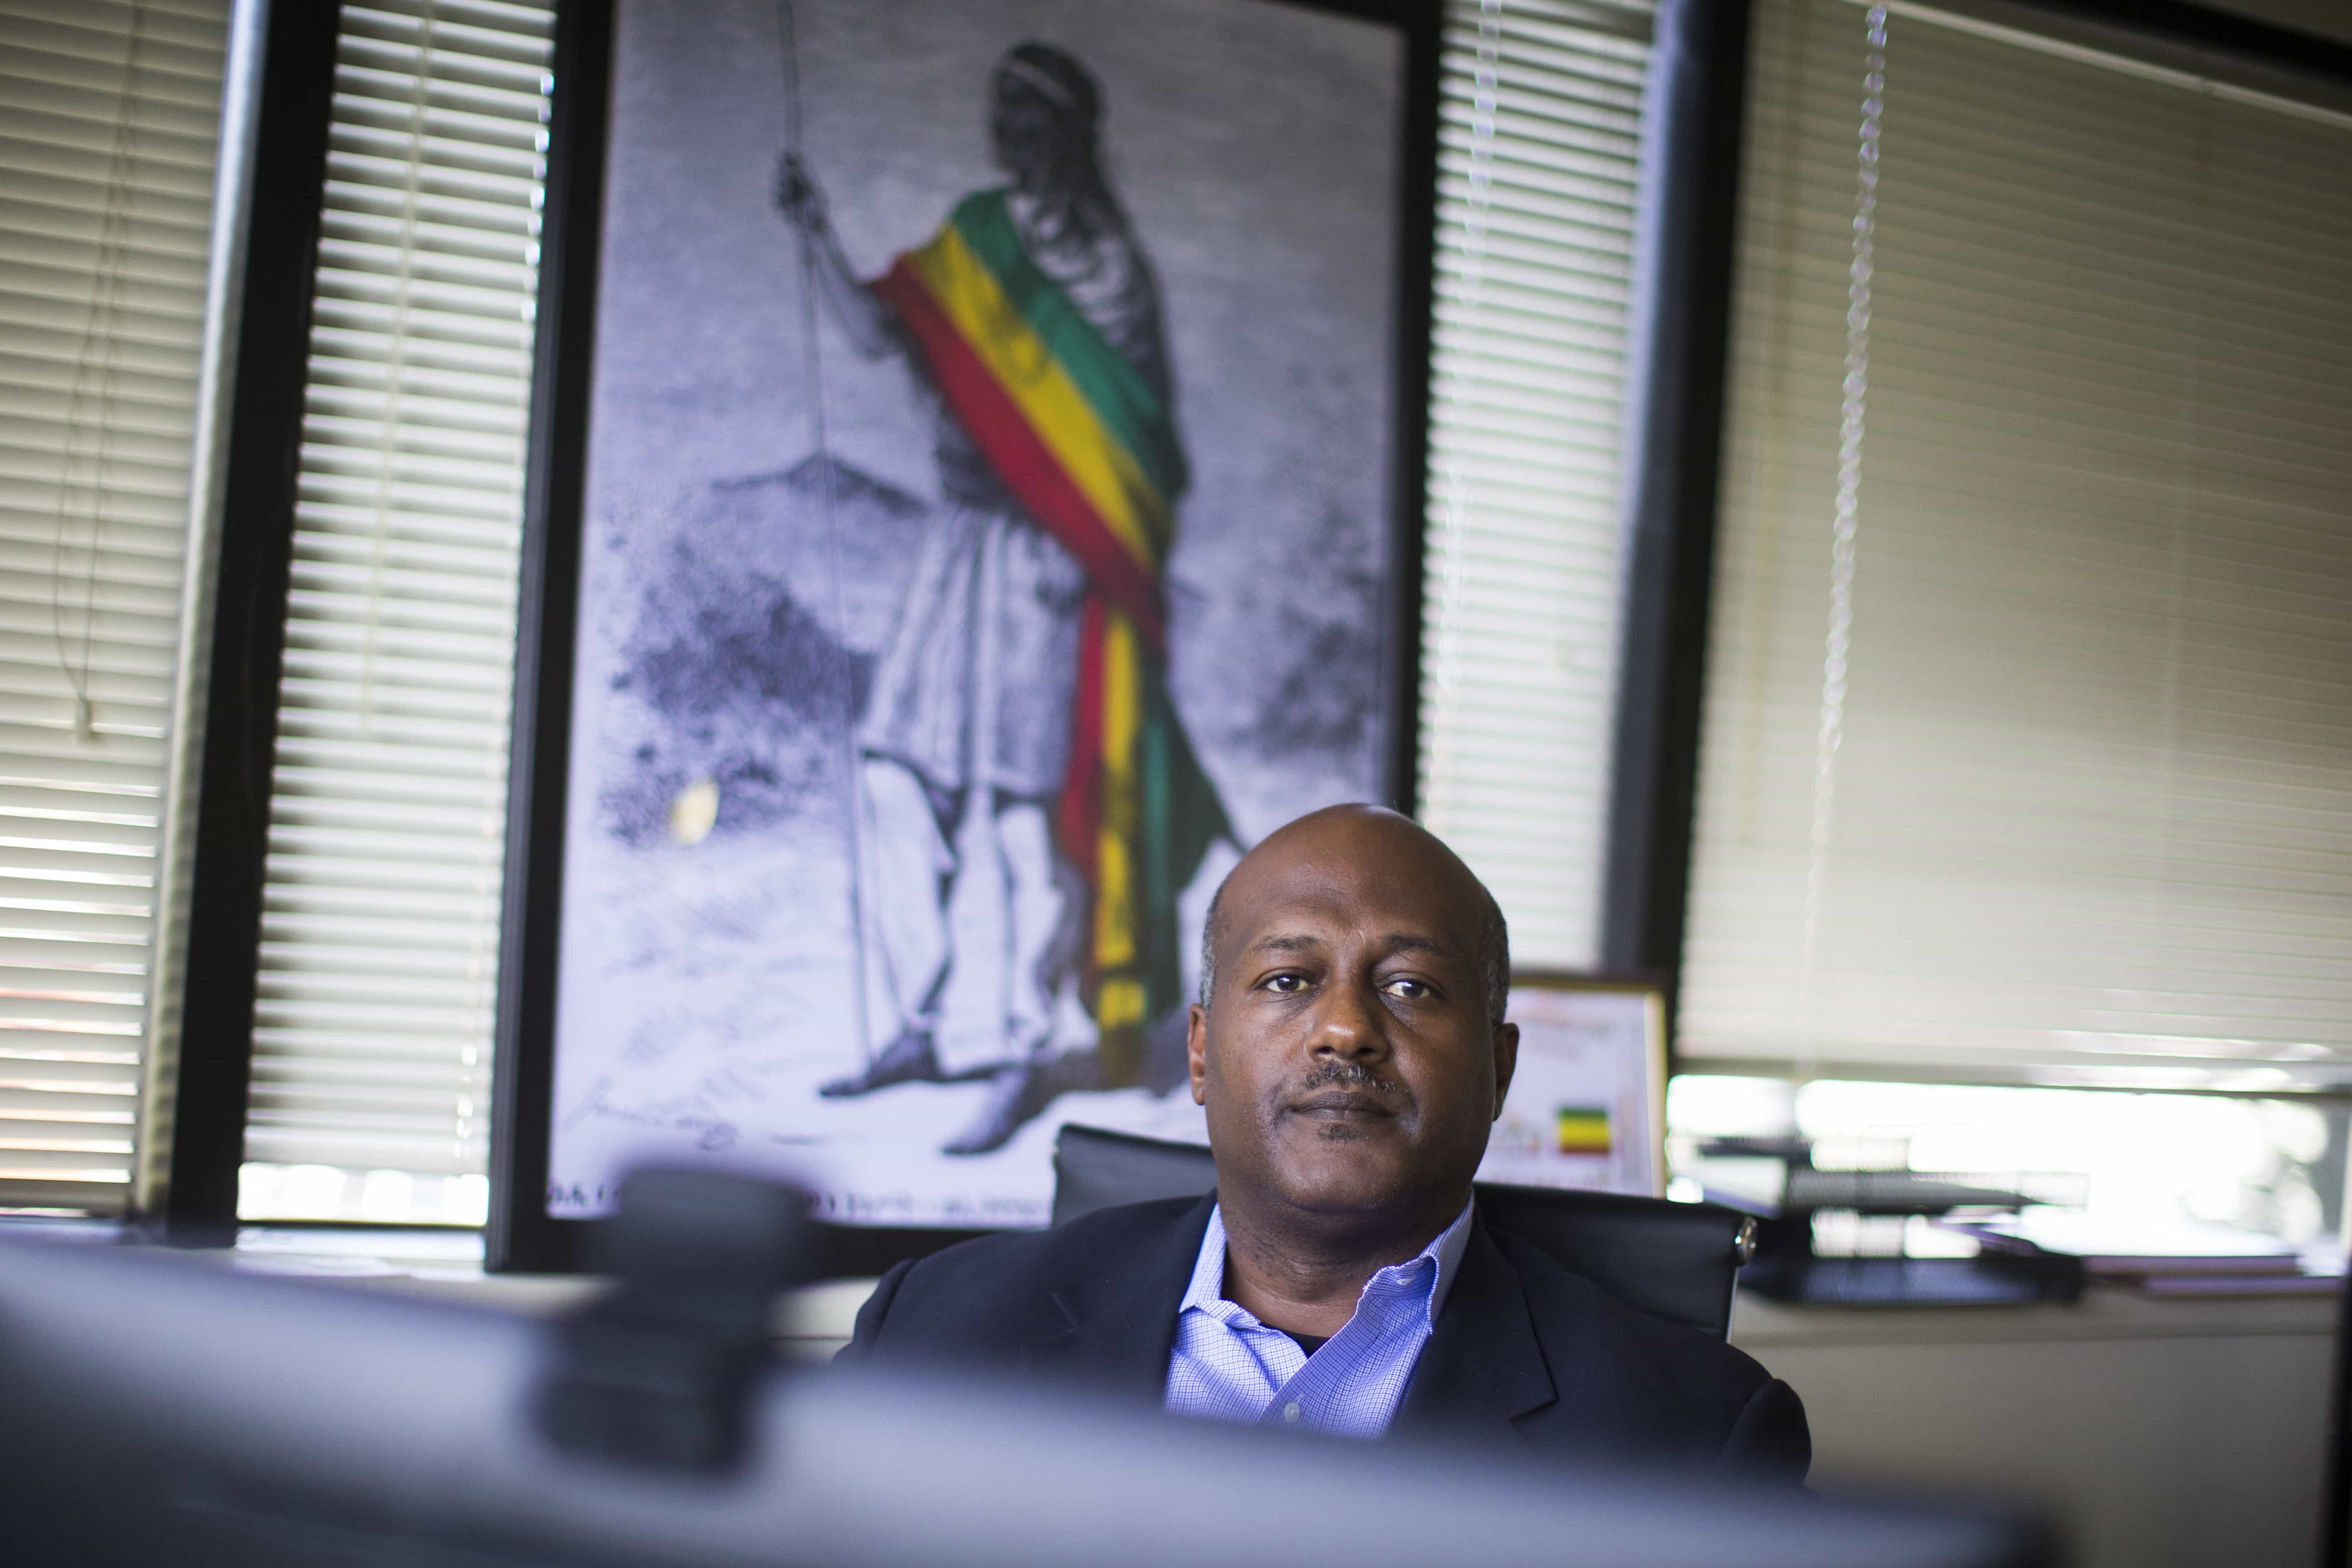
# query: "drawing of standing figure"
1027,678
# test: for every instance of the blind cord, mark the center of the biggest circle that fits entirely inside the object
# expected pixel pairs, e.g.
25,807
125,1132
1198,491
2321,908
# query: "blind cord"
395,386
97,361
1838,645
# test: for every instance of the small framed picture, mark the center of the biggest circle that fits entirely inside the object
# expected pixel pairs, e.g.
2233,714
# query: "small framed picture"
1586,1107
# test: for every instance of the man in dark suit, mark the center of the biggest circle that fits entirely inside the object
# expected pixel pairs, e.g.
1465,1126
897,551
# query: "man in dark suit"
1351,1053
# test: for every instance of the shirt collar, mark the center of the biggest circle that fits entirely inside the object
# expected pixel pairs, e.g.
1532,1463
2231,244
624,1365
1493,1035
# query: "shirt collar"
1206,1292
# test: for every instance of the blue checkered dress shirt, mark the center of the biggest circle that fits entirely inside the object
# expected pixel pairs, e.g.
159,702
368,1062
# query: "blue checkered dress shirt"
1228,1366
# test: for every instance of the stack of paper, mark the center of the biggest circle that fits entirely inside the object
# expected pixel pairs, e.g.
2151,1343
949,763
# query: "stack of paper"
2179,1259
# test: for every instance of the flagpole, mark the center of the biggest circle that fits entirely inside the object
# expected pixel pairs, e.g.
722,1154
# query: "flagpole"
813,363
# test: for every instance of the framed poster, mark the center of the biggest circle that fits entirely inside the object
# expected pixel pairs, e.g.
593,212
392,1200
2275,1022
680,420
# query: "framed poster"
1588,1105
989,505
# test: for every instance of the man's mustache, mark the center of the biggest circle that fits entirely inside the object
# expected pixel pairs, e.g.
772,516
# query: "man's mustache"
1348,1075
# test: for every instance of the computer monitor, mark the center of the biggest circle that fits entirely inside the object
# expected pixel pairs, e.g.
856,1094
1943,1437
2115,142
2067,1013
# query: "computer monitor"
156,1408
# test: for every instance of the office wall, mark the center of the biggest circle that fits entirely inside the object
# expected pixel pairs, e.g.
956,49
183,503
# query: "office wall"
2154,1433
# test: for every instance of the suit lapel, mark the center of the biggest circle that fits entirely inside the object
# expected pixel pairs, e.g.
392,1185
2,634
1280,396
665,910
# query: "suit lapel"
1482,1367
1110,1319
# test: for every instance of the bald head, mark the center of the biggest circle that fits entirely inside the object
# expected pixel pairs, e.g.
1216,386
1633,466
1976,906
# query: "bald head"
1349,1047
1375,833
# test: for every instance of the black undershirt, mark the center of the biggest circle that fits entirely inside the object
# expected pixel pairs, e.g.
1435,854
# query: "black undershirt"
1308,1342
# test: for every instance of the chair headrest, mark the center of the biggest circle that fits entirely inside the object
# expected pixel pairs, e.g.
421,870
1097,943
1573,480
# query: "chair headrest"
1674,1261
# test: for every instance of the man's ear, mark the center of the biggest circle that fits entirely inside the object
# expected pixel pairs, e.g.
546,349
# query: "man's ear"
1506,1062
1196,1051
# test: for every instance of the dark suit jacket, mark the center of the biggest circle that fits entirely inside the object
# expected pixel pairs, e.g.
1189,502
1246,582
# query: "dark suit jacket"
1526,1352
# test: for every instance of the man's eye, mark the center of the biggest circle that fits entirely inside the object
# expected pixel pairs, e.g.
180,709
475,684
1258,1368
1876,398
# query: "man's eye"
1286,984
1404,985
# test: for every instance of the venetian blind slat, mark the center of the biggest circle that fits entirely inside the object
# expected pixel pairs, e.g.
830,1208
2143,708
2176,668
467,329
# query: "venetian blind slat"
372,1046
2093,813
1538,161
109,118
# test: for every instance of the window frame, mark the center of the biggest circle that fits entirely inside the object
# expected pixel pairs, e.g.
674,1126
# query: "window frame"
211,985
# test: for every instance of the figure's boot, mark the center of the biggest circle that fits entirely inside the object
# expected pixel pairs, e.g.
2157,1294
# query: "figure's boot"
1020,1094
910,1058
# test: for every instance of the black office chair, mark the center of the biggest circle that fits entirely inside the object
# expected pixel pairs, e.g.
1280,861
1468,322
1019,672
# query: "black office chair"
1675,1260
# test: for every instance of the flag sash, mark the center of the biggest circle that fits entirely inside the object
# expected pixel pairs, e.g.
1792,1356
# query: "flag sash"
1087,447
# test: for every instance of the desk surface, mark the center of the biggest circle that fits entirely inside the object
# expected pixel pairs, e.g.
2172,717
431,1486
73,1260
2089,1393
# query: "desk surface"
2105,1312
448,1268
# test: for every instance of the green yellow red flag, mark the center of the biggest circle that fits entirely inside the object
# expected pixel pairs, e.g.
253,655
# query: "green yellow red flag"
1086,443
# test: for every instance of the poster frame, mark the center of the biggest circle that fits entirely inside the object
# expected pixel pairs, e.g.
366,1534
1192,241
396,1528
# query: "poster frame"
520,1236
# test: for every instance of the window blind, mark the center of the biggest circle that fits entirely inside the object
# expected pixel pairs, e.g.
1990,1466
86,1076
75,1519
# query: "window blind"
108,119
2091,815
378,969
1539,157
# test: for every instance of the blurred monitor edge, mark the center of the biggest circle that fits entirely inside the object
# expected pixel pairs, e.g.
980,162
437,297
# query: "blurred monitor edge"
163,1409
